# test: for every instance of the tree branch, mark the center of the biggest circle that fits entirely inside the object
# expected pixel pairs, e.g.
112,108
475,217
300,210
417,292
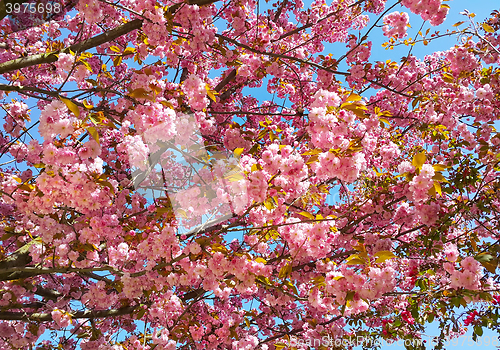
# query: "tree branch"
23,316
17,272
230,77
50,57
22,89
88,44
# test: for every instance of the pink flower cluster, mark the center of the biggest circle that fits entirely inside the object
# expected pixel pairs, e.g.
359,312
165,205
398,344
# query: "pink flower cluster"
61,318
98,298
90,149
195,90
257,188
339,282
428,213
91,10
233,139
323,98
199,22
406,167
469,277
164,244
65,62
308,239
54,120
346,168
157,28
326,130
420,184
389,151
192,200
396,24
155,121
249,343
299,256
429,10
461,60
136,150
15,120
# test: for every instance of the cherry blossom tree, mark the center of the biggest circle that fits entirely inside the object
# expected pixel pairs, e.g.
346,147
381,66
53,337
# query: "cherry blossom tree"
166,169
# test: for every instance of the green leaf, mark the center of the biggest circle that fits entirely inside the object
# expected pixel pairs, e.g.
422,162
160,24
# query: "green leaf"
463,302
217,247
485,296
313,159
261,260
211,93
182,213
262,133
483,257
117,61
447,77
350,295
285,271
439,177
71,106
163,210
238,151
383,120
141,313
93,132
488,29
235,177
437,188
353,97
354,106
312,152
269,204
355,260
384,255
419,160
490,266
87,105
129,51
272,136
307,215
292,287
439,167
256,167
478,330
140,93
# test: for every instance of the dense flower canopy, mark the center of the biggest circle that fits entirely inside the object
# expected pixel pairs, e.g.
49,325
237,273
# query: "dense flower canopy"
166,167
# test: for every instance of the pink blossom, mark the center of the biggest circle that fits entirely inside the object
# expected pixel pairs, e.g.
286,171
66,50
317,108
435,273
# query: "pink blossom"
396,24
62,318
